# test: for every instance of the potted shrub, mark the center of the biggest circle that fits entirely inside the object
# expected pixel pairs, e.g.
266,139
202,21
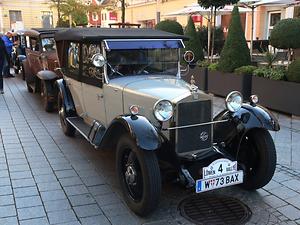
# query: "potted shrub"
235,54
274,91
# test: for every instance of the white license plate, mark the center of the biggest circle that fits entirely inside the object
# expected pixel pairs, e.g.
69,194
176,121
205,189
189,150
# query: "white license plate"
219,181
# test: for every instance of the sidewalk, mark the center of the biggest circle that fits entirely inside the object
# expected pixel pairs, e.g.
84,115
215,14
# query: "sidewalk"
48,178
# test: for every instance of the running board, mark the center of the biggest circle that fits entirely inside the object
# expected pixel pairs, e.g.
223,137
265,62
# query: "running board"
93,134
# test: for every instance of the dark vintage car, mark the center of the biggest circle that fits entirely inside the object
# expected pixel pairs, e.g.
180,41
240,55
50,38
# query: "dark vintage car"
40,65
122,90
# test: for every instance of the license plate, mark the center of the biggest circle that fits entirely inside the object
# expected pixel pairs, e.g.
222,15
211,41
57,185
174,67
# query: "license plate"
219,182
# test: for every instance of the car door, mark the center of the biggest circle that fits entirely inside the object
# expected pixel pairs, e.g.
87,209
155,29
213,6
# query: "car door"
92,82
33,54
71,76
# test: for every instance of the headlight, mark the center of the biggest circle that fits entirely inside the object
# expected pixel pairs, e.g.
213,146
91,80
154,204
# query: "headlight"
163,110
234,101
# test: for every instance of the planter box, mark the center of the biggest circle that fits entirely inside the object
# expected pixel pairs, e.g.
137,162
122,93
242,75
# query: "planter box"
223,83
200,76
278,95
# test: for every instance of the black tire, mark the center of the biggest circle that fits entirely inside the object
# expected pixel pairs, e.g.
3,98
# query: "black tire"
23,72
142,169
258,154
29,88
67,128
16,71
48,105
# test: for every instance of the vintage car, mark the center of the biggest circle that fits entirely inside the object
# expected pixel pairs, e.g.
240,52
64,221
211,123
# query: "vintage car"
122,90
18,54
40,63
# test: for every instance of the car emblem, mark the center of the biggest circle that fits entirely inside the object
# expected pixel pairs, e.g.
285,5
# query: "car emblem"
204,136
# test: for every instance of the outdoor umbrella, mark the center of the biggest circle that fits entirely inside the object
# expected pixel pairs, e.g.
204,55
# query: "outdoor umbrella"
197,9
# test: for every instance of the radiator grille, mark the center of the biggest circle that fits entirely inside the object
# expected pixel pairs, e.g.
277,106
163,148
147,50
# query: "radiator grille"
193,138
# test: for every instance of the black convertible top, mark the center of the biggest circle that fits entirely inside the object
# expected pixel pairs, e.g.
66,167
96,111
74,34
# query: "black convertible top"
96,34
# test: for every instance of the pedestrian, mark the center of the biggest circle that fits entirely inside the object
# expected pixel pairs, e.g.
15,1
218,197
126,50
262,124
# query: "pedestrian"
3,57
8,45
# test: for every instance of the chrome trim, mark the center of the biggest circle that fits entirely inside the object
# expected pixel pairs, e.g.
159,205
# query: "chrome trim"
196,125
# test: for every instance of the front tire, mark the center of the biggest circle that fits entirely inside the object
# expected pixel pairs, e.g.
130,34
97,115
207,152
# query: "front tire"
139,176
48,105
67,128
258,154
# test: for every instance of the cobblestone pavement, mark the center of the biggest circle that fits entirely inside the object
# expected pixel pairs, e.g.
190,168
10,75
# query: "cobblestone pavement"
48,178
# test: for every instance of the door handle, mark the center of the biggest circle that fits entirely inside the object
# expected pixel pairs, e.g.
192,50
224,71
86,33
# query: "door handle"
99,96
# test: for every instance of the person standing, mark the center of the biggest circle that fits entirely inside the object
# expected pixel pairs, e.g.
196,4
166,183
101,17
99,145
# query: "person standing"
3,57
9,45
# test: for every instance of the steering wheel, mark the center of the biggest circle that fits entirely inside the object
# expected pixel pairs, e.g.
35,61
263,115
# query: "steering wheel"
144,67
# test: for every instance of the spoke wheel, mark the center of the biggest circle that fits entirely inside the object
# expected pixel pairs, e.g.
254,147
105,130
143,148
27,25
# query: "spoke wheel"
258,154
139,176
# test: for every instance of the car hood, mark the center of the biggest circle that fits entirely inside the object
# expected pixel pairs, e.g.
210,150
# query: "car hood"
157,87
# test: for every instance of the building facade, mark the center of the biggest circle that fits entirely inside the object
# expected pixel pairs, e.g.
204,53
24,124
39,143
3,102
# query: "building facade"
20,14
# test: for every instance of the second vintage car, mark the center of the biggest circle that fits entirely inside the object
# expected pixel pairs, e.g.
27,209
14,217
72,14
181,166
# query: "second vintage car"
122,90
40,63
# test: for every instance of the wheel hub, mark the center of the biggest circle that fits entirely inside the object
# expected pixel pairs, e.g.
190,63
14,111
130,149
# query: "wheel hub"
130,175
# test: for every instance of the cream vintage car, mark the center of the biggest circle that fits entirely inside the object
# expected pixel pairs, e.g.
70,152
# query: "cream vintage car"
122,90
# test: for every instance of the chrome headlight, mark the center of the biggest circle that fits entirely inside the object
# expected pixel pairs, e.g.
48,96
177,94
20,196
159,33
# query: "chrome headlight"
163,110
234,101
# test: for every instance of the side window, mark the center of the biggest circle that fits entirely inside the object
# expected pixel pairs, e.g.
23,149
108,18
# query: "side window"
91,74
73,59
34,44
48,44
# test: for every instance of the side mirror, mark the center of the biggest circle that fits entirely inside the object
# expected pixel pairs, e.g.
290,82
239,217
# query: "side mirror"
98,60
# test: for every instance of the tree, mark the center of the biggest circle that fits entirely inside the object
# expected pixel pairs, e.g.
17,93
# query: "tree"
285,35
170,26
214,5
235,52
194,43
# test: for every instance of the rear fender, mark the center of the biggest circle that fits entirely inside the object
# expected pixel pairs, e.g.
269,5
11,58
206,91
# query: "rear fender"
141,130
66,96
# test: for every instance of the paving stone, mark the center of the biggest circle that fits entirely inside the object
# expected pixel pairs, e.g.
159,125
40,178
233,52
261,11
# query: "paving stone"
61,166
51,186
53,195
31,212
16,162
3,173
107,199
294,202
37,221
289,211
87,173
70,181
42,171
92,181
9,221
65,173
274,201
60,217
76,190
3,166
57,205
28,182
5,181
100,190
71,223
293,184
19,168
95,220
25,192
45,178
84,199
124,220
7,211
20,175
6,200
284,192
87,210
114,210
28,201
5,190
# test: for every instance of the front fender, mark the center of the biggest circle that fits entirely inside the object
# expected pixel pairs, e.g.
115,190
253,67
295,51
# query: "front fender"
46,75
141,130
66,96
239,123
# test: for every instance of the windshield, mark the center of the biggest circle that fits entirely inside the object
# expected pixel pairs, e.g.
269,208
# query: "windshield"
142,62
48,44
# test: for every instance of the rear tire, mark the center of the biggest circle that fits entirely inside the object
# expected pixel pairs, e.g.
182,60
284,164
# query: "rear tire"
23,72
258,154
29,88
139,176
48,105
67,128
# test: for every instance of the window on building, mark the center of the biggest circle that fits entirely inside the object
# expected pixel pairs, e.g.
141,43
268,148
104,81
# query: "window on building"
274,18
297,12
15,16
47,19
95,16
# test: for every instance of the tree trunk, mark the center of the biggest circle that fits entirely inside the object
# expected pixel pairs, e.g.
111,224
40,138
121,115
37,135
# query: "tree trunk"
213,35
123,13
209,33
